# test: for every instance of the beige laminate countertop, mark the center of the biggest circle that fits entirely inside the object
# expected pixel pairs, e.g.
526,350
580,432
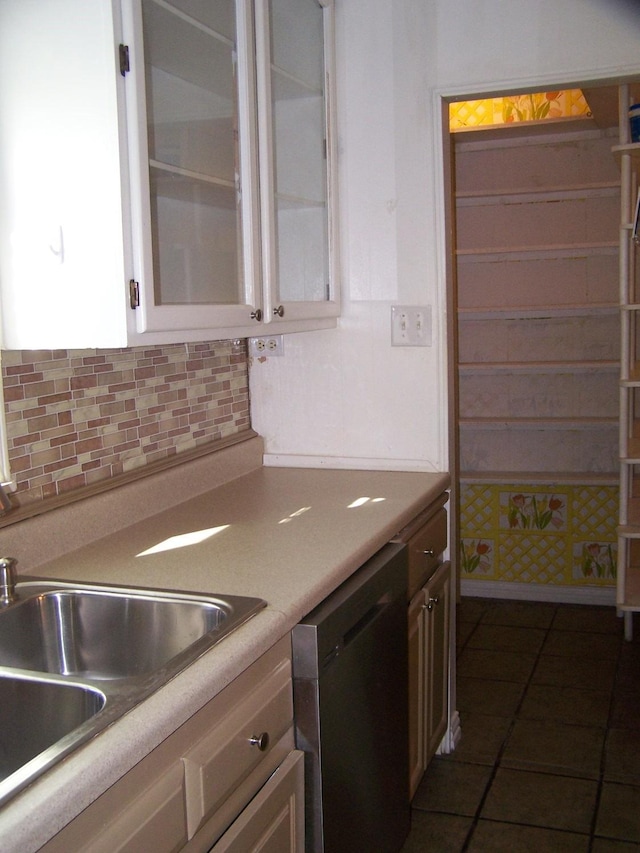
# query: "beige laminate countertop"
288,535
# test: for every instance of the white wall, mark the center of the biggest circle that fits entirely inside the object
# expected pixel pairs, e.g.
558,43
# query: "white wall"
345,396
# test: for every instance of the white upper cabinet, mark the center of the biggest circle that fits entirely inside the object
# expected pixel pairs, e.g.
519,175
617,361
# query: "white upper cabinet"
294,50
62,241
180,184
192,136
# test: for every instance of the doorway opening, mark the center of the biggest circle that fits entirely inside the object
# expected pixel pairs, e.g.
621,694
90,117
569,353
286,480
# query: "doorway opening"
534,332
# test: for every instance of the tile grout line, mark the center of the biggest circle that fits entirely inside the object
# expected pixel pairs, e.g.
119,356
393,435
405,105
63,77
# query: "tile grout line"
514,717
603,756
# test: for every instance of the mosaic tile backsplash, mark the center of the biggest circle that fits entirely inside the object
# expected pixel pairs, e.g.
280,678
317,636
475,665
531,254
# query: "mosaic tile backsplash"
536,534
75,417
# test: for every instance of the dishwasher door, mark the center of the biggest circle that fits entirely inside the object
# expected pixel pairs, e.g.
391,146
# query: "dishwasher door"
351,710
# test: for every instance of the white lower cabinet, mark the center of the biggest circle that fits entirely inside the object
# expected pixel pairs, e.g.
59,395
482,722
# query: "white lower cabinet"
229,779
437,601
428,671
416,691
429,590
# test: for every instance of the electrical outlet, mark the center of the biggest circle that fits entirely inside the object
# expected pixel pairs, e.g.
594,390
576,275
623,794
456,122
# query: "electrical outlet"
269,345
410,325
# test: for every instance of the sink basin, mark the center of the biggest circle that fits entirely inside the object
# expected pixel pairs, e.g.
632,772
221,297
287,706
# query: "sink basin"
75,657
36,714
95,633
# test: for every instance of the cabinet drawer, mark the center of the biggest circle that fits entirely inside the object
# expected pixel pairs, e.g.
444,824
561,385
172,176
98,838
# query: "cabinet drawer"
219,762
125,820
425,548
273,822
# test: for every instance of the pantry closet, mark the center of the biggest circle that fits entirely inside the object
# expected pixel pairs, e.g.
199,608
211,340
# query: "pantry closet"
537,212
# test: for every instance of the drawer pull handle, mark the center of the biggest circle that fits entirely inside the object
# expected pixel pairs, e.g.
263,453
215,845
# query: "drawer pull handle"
429,552
261,741
432,602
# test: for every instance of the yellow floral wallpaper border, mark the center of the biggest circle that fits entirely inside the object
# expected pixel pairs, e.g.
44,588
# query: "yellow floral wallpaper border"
536,106
536,534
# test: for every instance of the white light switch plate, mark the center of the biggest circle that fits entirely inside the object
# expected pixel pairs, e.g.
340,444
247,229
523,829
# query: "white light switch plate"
410,325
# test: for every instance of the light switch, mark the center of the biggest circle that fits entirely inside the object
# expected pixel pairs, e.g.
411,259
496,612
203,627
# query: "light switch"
411,325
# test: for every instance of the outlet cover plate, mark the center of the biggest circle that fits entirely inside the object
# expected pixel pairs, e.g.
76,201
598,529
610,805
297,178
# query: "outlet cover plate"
266,346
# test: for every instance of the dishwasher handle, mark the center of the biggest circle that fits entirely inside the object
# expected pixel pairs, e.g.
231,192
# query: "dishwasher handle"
352,634
363,623
320,637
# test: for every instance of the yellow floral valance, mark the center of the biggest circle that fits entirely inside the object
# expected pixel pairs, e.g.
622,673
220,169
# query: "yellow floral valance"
537,106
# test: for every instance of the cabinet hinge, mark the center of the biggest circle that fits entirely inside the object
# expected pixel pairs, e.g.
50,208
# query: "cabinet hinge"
124,59
134,294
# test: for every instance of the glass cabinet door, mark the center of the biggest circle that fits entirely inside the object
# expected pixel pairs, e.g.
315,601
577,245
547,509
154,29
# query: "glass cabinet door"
294,40
195,83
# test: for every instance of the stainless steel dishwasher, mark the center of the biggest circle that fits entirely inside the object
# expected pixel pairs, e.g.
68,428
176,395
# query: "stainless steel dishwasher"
351,710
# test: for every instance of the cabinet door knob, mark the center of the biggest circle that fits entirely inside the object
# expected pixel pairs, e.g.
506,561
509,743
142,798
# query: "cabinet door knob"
257,314
261,741
429,552
432,602
279,311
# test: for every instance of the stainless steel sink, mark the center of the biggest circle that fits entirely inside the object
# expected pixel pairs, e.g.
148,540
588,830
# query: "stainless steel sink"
35,714
97,633
76,657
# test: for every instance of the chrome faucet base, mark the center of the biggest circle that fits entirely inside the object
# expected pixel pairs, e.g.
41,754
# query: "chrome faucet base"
8,577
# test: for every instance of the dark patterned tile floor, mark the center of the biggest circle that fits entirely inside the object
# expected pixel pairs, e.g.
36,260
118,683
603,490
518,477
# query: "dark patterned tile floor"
549,760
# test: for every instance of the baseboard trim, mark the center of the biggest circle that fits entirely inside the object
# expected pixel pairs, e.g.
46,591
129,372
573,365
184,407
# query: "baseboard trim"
539,592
